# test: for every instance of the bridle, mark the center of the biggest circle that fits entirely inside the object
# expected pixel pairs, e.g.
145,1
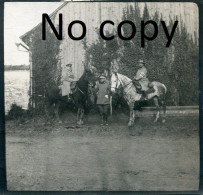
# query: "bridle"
80,90
79,87
123,86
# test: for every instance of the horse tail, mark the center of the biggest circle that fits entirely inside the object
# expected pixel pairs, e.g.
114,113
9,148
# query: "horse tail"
164,88
163,99
164,103
163,92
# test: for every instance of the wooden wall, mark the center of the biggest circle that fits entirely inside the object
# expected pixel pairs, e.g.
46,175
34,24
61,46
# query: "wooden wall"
94,13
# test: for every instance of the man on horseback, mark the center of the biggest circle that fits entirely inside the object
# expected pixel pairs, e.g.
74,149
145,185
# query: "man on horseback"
140,80
67,79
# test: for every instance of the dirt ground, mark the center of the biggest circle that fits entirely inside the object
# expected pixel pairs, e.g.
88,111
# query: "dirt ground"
155,157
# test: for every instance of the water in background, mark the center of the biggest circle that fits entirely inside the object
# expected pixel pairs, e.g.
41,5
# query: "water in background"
16,88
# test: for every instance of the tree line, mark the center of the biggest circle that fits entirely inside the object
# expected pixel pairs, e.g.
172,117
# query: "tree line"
177,66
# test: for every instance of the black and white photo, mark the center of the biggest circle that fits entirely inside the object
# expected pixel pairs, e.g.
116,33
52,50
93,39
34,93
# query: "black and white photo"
101,96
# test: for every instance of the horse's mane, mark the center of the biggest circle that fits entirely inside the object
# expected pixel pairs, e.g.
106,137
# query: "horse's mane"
82,83
123,77
82,76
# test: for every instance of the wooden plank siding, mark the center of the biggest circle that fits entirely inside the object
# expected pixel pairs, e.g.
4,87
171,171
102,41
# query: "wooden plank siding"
94,13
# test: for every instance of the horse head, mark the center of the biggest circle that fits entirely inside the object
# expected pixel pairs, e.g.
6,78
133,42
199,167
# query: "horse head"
115,82
87,75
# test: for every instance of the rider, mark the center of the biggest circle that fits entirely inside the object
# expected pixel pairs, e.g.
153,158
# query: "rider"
68,77
140,80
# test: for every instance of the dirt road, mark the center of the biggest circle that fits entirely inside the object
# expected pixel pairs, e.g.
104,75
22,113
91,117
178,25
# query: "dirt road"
65,157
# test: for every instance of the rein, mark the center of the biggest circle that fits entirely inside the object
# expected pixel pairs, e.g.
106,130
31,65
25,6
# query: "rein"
122,84
127,84
79,88
81,91
125,93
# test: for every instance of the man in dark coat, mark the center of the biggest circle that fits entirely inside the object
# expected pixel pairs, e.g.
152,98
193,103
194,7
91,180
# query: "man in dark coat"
103,99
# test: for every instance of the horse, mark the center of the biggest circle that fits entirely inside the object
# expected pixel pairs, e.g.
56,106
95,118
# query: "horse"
52,100
134,98
79,96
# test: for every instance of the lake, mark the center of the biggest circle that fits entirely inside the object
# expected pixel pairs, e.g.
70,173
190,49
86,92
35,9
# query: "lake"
16,88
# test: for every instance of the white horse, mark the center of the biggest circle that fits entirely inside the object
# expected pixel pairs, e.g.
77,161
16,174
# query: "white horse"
133,98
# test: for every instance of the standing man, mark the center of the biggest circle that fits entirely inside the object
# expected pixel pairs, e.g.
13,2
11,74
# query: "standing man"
140,80
67,79
103,99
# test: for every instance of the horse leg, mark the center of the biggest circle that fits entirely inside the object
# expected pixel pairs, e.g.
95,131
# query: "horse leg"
78,116
164,111
81,116
132,115
56,111
47,114
156,102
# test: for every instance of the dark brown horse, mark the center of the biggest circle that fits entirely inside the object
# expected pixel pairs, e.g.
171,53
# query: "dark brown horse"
79,96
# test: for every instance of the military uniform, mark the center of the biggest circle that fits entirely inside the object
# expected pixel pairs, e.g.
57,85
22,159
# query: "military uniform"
68,77
103,99
141,77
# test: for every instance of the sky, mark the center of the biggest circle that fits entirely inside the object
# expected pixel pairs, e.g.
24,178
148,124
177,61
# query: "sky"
19,18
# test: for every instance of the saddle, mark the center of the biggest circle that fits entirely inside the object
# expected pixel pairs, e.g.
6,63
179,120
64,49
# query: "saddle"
137,86
147,88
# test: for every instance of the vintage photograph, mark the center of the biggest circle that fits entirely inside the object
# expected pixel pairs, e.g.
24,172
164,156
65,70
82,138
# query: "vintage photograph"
101,96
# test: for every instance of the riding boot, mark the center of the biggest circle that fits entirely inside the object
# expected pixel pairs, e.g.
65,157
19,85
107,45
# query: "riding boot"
137,86
144,96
